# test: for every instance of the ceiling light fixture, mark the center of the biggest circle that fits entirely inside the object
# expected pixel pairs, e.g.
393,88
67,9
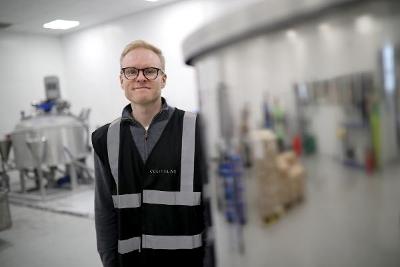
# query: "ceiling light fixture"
324,27
292,34
365,24
60,24
151,0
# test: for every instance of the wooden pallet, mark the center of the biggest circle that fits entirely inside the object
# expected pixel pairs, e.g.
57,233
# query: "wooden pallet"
274,216
280,211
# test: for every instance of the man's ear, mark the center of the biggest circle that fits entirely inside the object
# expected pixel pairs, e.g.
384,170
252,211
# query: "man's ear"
120,80
163,80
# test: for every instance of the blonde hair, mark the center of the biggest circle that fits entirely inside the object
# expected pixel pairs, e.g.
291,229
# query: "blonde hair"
143,44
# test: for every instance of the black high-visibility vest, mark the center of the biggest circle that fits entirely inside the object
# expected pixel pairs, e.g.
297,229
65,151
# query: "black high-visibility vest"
158,203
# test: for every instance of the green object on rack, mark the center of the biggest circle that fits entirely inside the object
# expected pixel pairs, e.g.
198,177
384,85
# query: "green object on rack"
374,119
309,144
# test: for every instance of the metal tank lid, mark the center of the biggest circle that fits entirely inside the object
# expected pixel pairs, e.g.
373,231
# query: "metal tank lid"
47,121
257,18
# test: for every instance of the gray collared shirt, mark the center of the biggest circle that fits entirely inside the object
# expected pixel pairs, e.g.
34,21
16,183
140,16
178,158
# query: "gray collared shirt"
145,140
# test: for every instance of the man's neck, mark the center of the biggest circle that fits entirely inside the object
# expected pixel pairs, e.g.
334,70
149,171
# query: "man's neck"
144,114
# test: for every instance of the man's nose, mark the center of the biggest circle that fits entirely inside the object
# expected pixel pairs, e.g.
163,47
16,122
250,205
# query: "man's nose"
141,76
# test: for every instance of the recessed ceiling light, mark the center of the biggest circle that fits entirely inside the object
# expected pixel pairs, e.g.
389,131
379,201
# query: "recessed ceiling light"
60,24
365,24
151,0
324,27
292,34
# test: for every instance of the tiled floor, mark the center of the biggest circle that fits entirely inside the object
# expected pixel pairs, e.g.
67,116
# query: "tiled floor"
78,203
45,239
348,219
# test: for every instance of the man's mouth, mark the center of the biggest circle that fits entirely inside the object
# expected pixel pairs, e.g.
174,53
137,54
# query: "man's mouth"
141,88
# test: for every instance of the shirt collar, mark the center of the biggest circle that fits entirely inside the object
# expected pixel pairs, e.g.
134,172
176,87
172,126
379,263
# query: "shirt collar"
163,115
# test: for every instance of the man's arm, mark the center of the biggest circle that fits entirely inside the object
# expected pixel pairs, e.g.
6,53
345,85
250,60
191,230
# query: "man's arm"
105,215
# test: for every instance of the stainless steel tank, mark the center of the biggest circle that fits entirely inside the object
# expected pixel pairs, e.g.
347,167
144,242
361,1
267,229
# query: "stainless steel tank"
62,134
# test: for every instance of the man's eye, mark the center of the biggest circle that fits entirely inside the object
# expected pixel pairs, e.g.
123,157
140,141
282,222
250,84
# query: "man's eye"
131,71
150,71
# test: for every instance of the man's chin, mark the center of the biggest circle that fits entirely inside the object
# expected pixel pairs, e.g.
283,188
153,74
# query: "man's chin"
144,101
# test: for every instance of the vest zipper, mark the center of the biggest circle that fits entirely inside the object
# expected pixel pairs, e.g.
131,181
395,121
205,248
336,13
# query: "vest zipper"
145,143
146,132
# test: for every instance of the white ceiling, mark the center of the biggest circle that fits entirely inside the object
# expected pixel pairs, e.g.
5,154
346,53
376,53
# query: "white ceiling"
28,16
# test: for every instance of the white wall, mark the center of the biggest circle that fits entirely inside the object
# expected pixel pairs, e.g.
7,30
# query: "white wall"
24,61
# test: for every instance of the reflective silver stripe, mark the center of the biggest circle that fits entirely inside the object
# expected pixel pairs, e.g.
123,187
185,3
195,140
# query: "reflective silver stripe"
207,190
128,245
171,242
187,155
126,201
113,147
210,234
171,198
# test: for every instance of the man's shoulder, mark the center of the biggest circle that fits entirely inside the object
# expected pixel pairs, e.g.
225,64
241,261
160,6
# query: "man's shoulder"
100,132
99,138
181,112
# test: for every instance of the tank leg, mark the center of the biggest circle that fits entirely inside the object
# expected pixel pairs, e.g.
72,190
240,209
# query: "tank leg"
51,177
4,180
73,176
41,182
22,181
7,181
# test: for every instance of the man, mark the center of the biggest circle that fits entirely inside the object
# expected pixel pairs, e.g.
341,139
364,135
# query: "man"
149,172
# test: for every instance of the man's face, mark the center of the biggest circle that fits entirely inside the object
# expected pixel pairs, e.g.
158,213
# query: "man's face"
141,91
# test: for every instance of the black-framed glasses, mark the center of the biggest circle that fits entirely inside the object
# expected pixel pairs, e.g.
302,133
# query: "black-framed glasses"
132,73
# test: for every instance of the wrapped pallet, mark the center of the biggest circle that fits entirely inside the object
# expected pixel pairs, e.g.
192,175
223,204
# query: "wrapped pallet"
280,177
268,180
297,177
269,195
285,162
292,174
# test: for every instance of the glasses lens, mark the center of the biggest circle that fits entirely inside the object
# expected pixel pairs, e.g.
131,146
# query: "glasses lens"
150,73
131,73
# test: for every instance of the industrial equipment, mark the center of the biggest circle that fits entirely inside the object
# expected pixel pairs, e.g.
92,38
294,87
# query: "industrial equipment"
5,146
51,145
5,215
